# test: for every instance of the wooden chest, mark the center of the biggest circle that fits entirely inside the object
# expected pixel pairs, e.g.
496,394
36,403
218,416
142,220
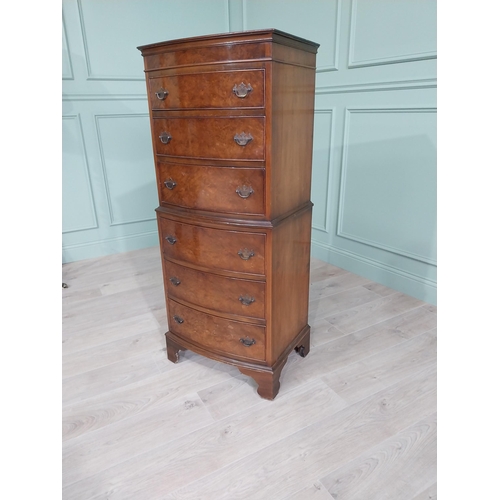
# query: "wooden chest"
232,127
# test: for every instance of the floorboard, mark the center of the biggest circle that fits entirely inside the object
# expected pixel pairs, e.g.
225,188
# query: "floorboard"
355,419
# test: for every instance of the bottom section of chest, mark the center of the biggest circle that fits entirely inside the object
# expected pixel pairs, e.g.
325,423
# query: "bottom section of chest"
238,293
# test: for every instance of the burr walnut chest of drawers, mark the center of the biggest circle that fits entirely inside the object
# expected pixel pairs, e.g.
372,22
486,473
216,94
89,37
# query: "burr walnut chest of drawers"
232,126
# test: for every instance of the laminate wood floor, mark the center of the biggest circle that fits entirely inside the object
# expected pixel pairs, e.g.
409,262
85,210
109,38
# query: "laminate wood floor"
354,420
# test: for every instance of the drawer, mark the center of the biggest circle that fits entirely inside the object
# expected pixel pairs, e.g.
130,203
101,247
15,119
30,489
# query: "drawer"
233,338
228,138
186,55
222,89
237,251
219,293
218,189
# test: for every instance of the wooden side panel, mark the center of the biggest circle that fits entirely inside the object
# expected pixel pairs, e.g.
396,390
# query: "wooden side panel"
292,136
291,243
290,55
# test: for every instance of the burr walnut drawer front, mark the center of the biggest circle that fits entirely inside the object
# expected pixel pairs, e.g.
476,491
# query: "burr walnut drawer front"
229,337
218,293
217,189
222,89
218,138
193,56
237,251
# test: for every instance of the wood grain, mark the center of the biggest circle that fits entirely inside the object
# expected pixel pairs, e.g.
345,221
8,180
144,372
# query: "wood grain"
371,311
218,293
128,432
109,377
428,494
383,369
338,283
103,332
320,448
322,271
323,331
356,346
217,333
209,188
314,492
230,396
110,406
142,344
381,290
395,468
166,468
89,454
207,90
110,309
213,248
339,302
215,137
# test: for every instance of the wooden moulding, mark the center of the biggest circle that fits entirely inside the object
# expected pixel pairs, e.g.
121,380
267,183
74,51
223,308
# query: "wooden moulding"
227,48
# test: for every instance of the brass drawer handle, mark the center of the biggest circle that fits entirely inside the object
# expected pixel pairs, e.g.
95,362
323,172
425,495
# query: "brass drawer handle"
247,341
242,139
165,137
246,254
178,319
246,300
161,94
242,90
244,191
170,184
171,239
175,281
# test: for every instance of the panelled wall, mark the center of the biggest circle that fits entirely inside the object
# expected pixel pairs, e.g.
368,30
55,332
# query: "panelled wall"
374,165
109,192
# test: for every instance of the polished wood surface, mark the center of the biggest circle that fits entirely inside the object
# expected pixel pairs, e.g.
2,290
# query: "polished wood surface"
218,294
237,250
217,189
291,248
216,334
244,47
214,89
215,137
292,125
202,55
232,122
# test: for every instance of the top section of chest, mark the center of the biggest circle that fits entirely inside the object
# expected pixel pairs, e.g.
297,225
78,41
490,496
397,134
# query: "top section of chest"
233,71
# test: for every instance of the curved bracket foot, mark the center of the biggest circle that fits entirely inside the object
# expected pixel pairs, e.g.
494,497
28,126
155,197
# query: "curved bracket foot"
268,381
305,344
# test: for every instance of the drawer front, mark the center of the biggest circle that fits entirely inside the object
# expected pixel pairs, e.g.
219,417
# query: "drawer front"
193,56
218,189
228,337
223,89
213,248
210,138
227,295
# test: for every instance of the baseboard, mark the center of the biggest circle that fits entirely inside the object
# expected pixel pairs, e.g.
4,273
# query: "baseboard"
72,253
417,286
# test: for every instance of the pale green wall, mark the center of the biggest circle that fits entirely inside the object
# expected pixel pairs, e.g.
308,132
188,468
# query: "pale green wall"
374,168
109,193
